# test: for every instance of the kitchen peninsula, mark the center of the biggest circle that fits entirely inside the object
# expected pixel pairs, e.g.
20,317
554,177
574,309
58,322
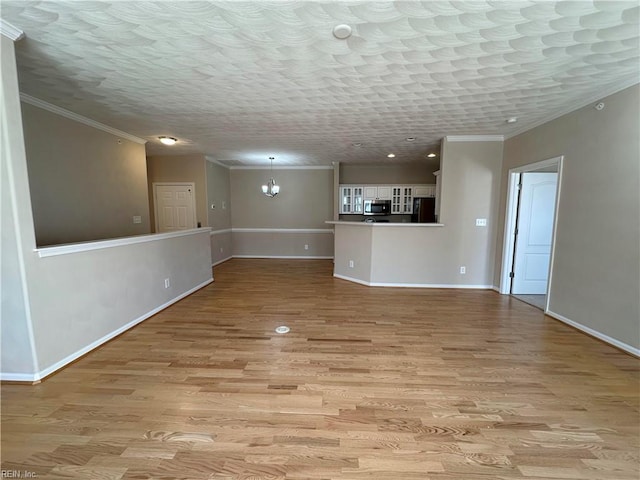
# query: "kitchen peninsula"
387,254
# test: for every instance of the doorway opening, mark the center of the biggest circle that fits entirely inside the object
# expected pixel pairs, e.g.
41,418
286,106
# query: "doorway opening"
530,229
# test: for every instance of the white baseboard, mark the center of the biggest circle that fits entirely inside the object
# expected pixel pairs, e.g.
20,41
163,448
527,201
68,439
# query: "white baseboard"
351,279
18,377
36,377
594,333
412,285
497,289
221,261
294,257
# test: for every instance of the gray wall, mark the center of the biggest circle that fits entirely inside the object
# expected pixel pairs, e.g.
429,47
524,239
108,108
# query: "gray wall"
402,173
90,295
596,272
17,226
272,227
86,184
179,168
219,195
470,177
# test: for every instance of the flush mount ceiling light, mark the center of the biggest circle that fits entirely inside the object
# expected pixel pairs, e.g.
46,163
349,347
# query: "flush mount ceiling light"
283,329
512,120
168,140
410,139
342,32
271,189
391,155
431,155
357,144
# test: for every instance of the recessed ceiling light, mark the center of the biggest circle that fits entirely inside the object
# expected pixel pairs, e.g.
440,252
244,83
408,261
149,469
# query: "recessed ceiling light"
283,329
391,155
357,144
342,31
431,155
168,140
410,139
512,120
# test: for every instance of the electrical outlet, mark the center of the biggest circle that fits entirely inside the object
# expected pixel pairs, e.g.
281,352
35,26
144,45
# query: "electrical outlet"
221,249
137,219
306,247
463,270
224,205
351,264
481,222
167,283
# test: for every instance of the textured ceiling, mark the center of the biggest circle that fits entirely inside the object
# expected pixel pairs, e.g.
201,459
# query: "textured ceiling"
241,81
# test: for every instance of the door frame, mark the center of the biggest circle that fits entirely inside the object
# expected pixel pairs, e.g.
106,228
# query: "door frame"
508,245
166,184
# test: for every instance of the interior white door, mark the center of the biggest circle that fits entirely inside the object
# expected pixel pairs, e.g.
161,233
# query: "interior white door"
535,233
175,207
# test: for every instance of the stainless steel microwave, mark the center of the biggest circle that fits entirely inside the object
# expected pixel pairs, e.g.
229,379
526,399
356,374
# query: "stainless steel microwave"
377,207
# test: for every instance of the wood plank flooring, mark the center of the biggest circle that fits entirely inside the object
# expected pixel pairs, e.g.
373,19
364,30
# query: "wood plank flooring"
370,383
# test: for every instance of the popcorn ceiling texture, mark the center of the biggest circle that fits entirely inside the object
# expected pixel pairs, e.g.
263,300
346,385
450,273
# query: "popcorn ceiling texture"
241,81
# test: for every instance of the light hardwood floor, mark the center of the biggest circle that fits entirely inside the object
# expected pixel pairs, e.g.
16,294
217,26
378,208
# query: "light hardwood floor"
370,383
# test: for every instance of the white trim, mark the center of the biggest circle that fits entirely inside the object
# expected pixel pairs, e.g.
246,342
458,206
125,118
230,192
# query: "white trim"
582,102
282,167
70,358
221,261
191,185
10,31
282,230
292,257
414,285
19,377
213,160
351,279
116,242
594,333
496,289
219,232
36,102
510,220
474,138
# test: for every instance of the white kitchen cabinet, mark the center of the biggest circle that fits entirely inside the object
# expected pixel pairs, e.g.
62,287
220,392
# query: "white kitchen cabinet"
351,199
377,192
402,199
424,191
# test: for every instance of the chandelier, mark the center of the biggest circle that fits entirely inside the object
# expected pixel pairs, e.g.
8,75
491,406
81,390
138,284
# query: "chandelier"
271,189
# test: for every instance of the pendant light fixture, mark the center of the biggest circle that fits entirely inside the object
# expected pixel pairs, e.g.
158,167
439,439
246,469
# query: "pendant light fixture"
271,189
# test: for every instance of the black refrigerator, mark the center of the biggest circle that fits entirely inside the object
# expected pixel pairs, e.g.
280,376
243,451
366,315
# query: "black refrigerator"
424,210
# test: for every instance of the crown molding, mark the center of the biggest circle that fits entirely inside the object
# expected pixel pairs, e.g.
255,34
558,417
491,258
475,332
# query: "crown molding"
36,102
290,167
583,102
9,31
474,138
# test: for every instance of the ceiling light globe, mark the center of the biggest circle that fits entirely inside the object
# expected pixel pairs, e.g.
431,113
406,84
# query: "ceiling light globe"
168,140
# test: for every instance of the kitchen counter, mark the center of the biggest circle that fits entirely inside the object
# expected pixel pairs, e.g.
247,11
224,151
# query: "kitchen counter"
400,255
384,224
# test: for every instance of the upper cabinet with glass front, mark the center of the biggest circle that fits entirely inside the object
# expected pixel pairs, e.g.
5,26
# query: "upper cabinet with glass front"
351,199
